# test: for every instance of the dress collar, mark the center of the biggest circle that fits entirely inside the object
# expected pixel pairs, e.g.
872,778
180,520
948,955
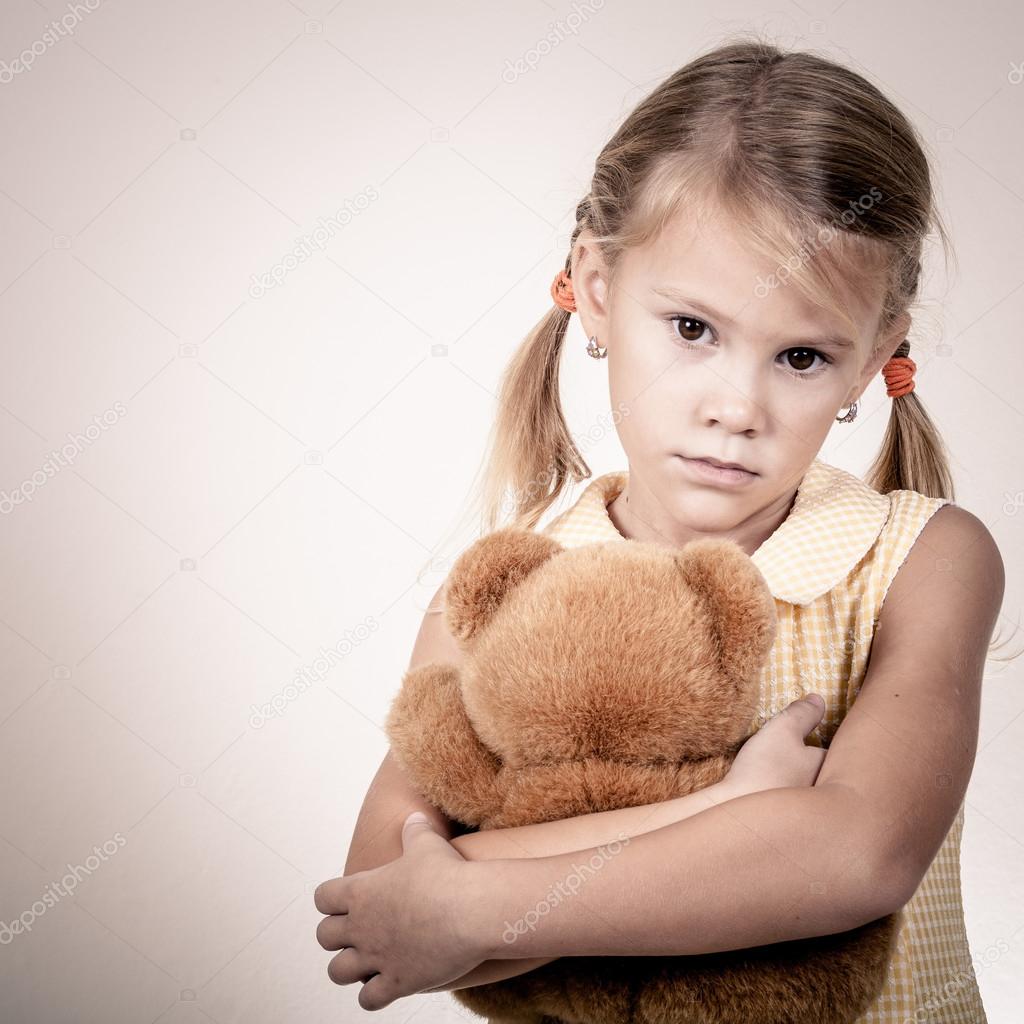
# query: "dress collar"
833,523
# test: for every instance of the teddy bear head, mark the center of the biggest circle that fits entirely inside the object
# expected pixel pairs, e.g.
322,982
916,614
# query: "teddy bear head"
622,650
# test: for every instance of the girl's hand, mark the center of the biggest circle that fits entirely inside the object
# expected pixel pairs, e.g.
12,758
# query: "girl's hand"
776,755
404,927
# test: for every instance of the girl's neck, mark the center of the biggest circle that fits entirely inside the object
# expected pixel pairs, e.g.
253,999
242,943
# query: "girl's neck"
638,516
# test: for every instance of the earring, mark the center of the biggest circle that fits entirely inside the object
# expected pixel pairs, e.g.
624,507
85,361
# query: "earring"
851,415
595,350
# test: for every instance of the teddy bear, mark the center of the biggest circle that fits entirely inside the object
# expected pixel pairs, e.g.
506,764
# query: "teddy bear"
609,675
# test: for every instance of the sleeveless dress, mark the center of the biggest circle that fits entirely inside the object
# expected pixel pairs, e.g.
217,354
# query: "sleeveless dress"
828,566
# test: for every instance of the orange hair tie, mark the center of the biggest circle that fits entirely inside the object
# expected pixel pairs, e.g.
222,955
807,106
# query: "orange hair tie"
561,292
899,376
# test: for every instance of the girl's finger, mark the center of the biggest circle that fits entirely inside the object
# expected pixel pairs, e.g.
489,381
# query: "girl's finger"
332,931
806,714
331,897
348,967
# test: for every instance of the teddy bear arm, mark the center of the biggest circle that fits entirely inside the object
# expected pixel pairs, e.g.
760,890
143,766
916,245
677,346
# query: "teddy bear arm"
434,741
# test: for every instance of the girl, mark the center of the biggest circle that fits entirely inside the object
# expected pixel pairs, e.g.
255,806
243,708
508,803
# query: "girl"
746,259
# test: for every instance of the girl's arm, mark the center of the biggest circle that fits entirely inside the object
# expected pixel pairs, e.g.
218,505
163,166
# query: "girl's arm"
377,837
765,867
791,863
571,834
774,756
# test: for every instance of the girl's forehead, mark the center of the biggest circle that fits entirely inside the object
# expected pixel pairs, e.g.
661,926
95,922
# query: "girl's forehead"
710,261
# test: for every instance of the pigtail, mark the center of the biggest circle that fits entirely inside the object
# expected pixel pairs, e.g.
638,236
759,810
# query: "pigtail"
913,456
532,454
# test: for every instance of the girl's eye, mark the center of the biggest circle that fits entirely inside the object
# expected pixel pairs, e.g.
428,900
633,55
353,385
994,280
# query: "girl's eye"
805,359
689,329
689,325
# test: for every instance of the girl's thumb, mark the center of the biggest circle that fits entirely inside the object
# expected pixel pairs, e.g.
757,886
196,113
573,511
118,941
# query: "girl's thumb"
416,818
805,711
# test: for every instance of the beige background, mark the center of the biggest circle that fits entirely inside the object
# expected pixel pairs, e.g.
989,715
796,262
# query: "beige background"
256,475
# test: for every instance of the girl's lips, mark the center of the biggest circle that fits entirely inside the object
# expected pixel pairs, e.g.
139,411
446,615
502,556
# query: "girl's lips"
707,472
718,462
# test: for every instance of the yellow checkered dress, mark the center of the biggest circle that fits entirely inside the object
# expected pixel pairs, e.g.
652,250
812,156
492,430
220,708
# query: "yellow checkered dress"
829,565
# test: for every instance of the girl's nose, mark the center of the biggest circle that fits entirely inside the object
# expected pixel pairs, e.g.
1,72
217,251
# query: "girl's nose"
732,408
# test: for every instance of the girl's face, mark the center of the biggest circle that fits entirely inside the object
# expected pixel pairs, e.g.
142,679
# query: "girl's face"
712,362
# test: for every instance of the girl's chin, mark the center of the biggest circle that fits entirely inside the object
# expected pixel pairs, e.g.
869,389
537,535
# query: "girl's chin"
708,511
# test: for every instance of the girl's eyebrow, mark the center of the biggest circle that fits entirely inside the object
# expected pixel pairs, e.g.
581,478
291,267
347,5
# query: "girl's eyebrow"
838,341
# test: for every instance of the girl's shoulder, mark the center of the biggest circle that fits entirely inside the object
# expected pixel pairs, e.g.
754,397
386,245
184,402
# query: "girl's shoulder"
944,538
909,512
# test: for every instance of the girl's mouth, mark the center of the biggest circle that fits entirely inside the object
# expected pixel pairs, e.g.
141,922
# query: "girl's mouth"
708,472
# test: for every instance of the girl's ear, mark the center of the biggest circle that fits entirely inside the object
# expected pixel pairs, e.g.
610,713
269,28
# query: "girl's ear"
884,348
590,277
485,573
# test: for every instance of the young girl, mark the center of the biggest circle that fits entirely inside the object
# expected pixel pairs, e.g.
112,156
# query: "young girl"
745,260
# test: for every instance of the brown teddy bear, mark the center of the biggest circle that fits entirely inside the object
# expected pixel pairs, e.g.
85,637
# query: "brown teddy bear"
603,676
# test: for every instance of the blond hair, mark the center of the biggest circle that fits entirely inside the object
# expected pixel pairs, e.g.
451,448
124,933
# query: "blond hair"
793,147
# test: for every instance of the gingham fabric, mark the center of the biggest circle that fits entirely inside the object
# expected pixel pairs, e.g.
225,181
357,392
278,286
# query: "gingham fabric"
829,565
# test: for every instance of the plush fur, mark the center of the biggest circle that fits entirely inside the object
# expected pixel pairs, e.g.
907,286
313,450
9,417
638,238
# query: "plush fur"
606,676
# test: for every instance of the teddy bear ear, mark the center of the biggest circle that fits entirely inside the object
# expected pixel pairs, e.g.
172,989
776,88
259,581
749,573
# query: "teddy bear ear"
740,604
487,571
